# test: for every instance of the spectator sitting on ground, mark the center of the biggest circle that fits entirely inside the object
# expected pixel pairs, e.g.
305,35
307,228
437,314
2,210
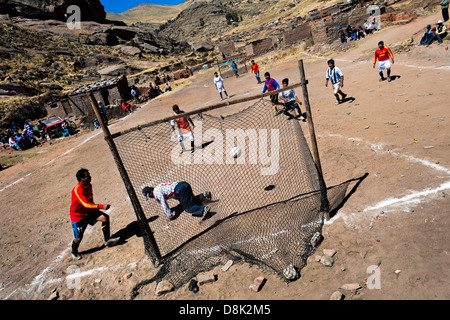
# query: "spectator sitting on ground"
168,88
13,143
441,31
426,36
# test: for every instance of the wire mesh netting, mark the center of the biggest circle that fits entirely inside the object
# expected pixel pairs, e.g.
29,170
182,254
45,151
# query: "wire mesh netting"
266,202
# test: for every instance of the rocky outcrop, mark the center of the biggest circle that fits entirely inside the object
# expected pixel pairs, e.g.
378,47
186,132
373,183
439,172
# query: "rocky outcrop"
91,10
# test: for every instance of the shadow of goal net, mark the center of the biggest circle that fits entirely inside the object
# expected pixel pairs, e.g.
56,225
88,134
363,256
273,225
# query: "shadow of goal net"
265,203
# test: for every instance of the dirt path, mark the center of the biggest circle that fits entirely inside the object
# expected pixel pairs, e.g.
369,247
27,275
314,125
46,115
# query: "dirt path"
396,219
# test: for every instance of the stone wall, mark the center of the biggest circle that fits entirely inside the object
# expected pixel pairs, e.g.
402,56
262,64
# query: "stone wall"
296,35
261,46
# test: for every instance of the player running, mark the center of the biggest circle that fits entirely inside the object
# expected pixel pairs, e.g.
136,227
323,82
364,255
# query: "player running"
255,70
290,99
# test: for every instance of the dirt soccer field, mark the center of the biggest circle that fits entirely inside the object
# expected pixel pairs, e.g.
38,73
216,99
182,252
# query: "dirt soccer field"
390,236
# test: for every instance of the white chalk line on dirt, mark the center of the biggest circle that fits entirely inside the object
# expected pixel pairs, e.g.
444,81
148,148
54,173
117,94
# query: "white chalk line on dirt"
39,284
414,197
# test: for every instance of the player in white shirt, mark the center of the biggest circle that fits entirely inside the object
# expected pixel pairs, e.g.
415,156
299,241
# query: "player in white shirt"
182,192
290,99
335,75
218,82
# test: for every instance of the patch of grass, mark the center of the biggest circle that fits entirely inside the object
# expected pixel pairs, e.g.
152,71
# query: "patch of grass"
16,157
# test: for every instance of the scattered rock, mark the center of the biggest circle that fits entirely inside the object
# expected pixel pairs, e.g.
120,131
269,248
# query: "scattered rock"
327,261
54,295
329,252
290,272
316,239
127,276
206,277
350,286
227,266
163,287
337,295
257,284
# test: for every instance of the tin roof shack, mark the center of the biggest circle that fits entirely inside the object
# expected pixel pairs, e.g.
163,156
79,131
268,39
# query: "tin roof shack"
110,92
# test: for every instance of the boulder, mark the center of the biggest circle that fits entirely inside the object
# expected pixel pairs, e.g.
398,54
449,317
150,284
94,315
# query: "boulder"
131,51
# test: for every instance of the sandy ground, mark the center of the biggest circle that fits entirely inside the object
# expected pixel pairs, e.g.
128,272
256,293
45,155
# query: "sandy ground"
395,136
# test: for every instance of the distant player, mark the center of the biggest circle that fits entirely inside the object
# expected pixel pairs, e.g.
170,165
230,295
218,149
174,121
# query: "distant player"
184,129
290,99
218,82
384,56
255,70
271,85
181,191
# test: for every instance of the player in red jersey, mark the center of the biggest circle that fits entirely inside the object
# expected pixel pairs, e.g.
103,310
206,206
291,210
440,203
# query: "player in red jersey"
384,56
255,70
84,211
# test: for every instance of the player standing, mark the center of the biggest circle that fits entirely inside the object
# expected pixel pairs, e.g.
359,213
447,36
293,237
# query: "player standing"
384,56
218,82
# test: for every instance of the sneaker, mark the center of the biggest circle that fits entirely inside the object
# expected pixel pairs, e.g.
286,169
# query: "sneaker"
205,212
277,113
207,195
302,118
381,79
76,256
337,102
389,79
112,242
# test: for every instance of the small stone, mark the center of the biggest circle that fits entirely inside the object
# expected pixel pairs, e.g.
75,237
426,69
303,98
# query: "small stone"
257,284
327,261
397,271
350,286
316,239
329,252
127,276
227,266
54,295
318,258
290,272
206,277
337,295
163,287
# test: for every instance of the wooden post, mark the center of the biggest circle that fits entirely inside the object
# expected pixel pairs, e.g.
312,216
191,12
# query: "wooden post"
152,250
303,82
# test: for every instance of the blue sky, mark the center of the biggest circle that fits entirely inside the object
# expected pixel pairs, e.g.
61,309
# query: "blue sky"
118,6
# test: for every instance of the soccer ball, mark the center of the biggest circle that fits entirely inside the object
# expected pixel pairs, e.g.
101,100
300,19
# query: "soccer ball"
235,152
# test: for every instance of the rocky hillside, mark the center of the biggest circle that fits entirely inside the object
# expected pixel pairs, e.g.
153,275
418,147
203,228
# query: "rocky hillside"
41,58
52,9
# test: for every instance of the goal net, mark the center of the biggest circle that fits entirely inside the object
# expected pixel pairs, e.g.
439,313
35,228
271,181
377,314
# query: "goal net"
266,203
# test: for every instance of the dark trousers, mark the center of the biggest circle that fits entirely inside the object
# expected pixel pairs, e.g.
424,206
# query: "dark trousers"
184,194
445,14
